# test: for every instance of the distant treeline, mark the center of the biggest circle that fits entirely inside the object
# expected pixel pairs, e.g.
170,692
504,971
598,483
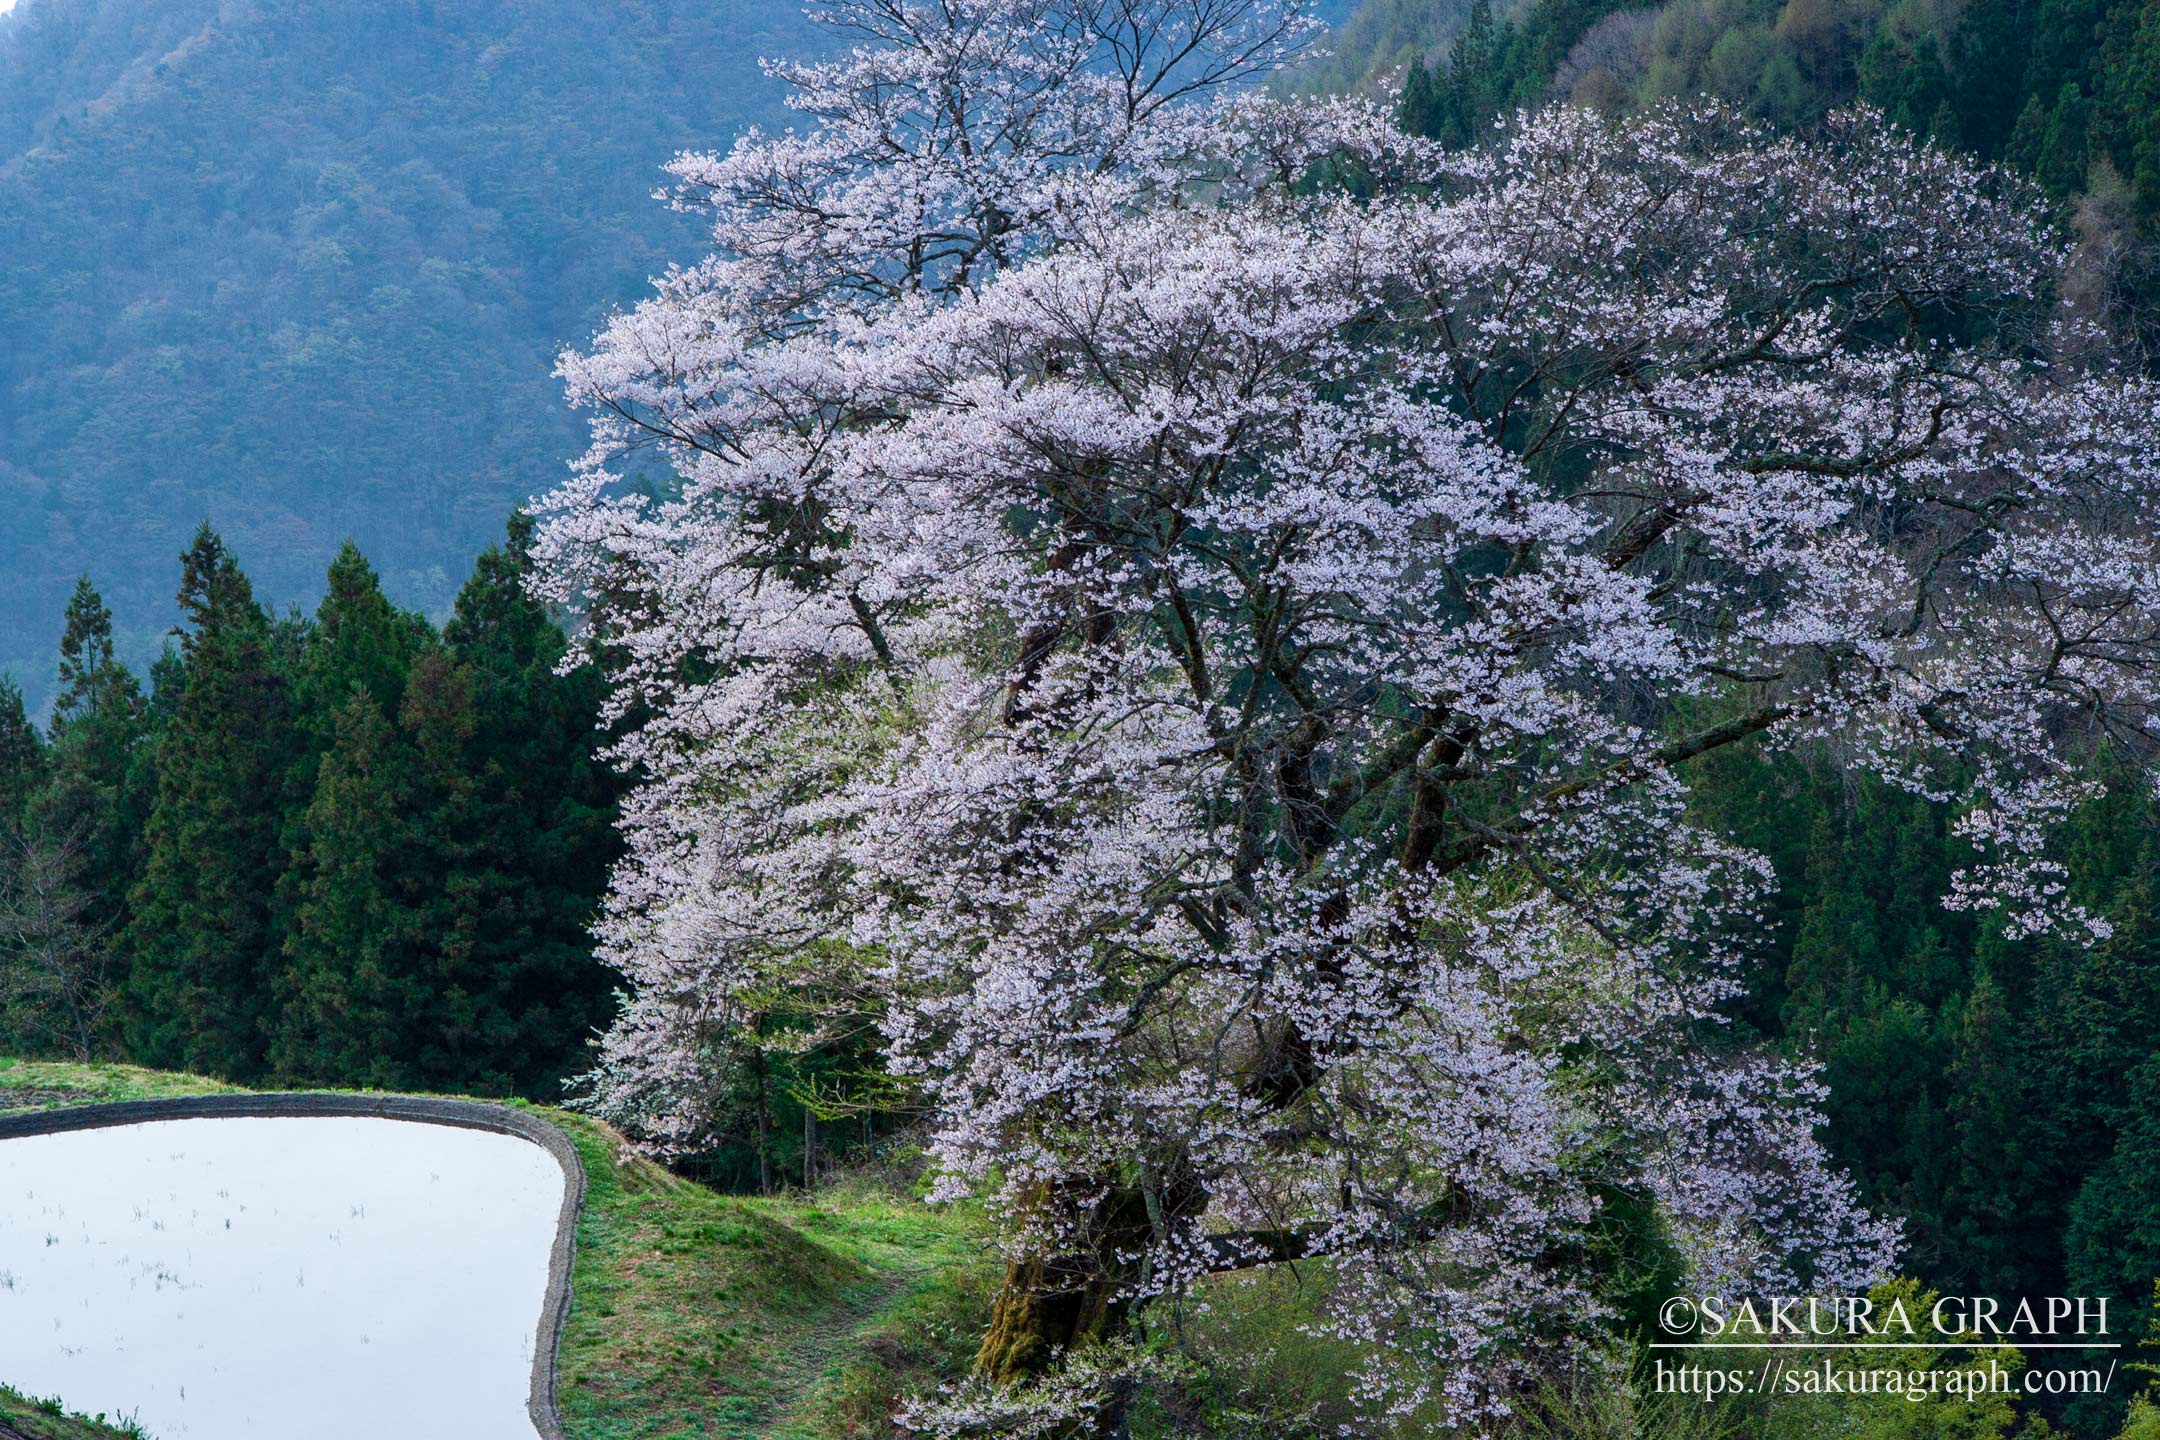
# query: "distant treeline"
346,848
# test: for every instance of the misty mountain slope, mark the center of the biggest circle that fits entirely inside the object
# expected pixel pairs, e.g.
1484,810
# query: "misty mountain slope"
302,266
58,58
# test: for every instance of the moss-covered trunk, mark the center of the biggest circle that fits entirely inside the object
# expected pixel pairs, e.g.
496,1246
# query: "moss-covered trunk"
1043,1310
1051,1307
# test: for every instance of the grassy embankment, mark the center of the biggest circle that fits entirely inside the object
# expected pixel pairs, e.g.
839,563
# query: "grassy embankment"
46,1420
695,1315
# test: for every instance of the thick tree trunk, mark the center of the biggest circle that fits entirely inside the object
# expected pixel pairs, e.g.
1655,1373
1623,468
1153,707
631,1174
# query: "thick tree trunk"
1051,1307
1043,1310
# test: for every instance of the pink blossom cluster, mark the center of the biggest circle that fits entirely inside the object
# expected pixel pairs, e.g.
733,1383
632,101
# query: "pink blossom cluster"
1213,661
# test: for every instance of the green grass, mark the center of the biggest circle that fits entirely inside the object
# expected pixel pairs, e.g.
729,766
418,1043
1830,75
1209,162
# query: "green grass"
46,1420
41,1084
701,1316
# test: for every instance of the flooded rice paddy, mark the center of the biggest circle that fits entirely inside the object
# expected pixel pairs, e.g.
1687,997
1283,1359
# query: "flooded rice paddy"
270,1279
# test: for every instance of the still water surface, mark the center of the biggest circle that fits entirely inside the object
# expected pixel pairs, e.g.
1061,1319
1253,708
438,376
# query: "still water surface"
273,1279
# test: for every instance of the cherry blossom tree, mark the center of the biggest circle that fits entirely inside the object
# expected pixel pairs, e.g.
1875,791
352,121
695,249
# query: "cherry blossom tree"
1214,661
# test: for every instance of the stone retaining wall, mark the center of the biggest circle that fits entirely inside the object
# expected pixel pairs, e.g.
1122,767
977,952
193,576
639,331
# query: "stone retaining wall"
464,1114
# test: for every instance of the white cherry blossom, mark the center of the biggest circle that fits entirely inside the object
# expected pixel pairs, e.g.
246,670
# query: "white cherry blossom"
1213,662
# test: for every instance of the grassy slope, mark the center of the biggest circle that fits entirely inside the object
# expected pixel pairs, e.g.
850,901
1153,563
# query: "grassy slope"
45,1420
699,1316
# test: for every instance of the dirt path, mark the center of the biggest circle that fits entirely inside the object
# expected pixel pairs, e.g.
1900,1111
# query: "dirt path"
823,1345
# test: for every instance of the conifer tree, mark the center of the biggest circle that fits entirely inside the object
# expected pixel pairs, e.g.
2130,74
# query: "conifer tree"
359,639
1907,80
538,815
467,956
2060,165
203,943
97,787
453,848
1834,949
1421,108
2061,47
356,642
1470,79
350,997
168,677
1971,1233
2027,135
1990,49
2114,1237
22,757
88,669
2140,87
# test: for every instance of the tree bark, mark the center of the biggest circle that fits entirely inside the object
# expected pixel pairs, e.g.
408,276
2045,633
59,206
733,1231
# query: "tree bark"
1044,1309
1065,1302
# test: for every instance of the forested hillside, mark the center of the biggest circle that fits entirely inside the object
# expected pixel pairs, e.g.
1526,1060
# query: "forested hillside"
2061,88
303,268
2066,90
1999,1095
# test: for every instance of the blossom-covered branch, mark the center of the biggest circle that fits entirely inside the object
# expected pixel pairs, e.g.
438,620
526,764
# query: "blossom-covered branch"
1215,664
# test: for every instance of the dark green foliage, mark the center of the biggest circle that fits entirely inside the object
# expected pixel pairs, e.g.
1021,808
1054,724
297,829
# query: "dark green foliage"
2135,89
1978,1086
201,934
1494,69
1988,51
359,642
2061,162
452,857
303,266
2114,1242
90,676
1468,94
22,757
337,848
2027,135
1982,1223
1906,81
372,856
97,785
2064,38
532,823
353,983
356,643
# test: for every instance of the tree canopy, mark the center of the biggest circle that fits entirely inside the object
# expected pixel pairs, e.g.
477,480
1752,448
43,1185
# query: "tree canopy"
1211,660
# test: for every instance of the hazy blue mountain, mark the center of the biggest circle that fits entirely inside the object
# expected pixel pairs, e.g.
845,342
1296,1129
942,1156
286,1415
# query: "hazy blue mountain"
301,267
